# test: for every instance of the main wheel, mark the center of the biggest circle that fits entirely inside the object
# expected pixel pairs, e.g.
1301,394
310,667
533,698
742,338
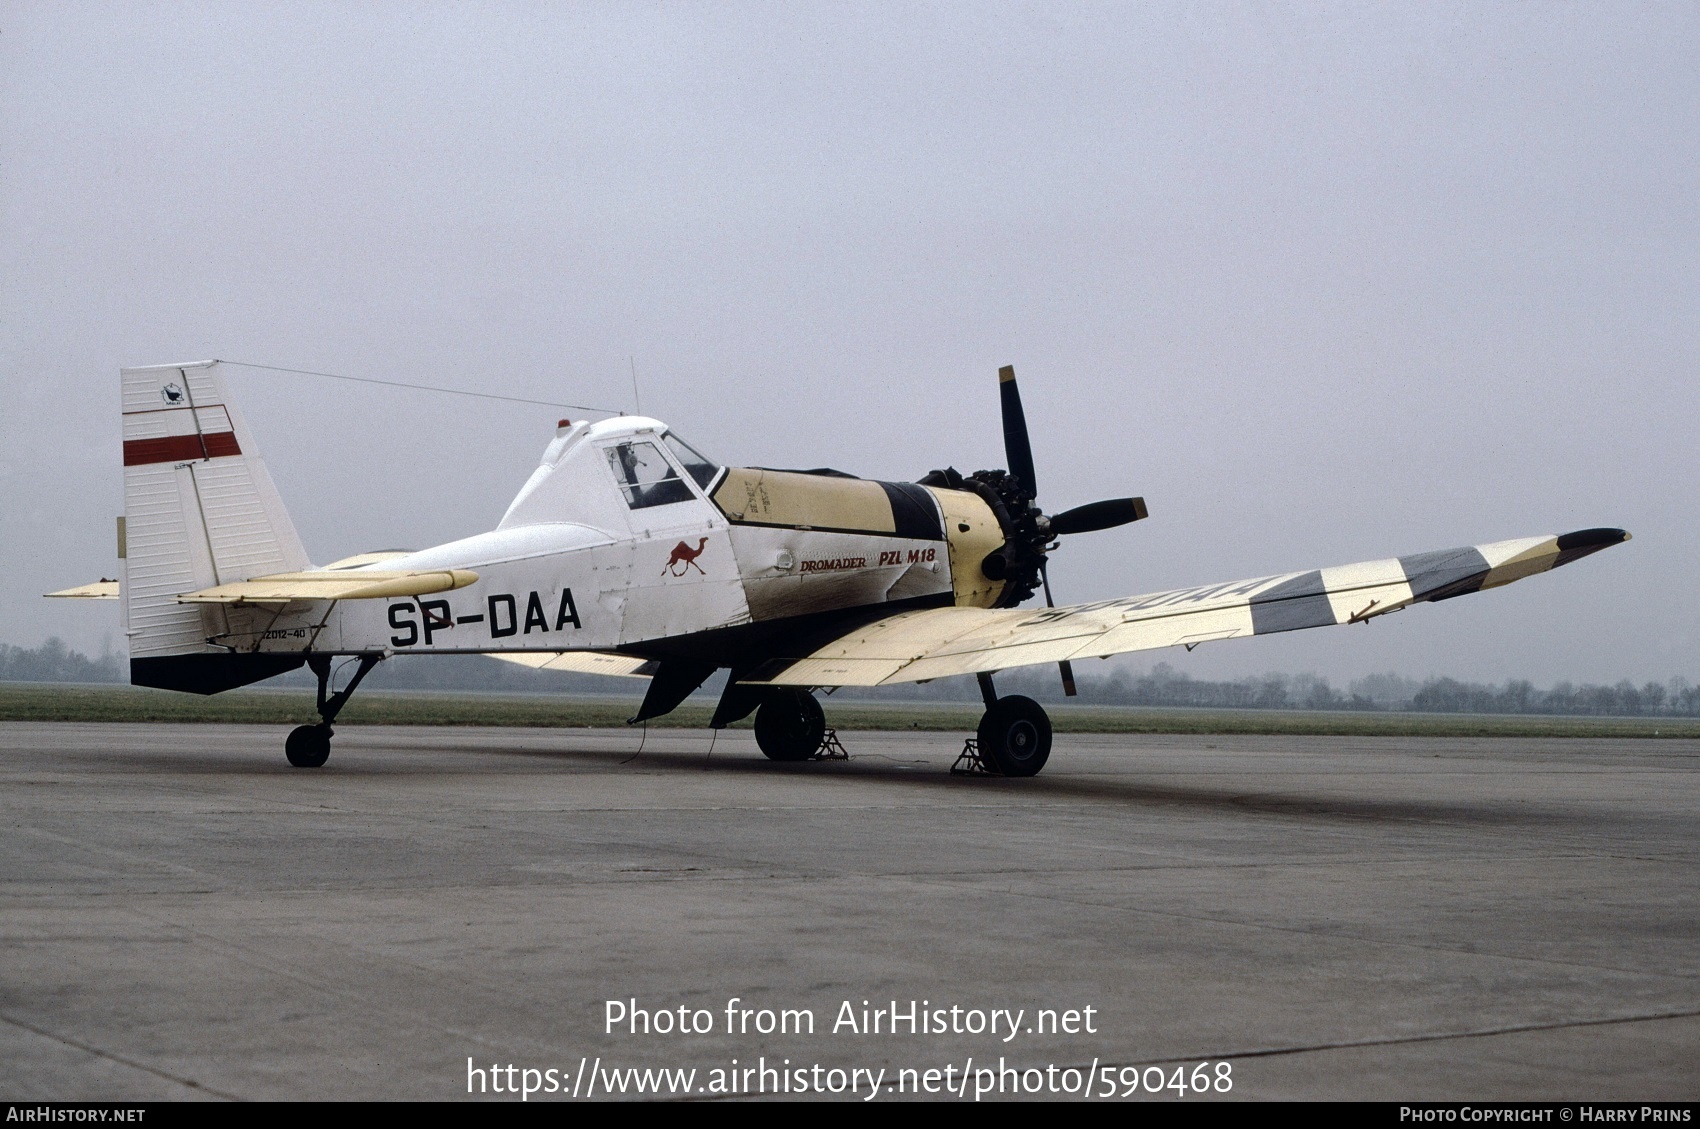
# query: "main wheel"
790,726
308,746
1015,736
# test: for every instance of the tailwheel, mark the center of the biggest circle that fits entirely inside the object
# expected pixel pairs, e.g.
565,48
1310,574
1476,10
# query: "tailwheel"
790,726
308,746
1015,736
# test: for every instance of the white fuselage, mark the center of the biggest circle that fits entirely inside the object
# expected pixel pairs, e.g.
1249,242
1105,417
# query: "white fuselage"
605,549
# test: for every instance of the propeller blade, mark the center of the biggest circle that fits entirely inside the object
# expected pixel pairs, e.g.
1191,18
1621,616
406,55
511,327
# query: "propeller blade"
1065,667
1099,515
1018,451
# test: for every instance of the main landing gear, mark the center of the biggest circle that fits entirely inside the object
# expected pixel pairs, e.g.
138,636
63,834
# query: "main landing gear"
790,725
309,746
1014,735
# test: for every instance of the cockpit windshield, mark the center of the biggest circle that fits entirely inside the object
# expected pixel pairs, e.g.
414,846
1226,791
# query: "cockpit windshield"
645,476
695,465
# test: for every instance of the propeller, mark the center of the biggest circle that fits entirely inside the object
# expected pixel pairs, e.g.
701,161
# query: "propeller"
1018,452
1031,533
1094,516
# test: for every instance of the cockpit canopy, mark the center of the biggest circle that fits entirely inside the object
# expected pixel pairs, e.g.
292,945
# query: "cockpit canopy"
601,474
629,475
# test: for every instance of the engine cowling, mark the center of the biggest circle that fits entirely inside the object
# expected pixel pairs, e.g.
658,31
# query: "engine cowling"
972,533
996,543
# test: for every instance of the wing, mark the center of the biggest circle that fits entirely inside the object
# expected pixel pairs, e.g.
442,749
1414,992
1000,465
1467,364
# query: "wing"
921,645
581,662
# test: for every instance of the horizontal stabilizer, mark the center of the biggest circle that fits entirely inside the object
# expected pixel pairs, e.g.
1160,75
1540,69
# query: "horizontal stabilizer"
364,584
582,662
99,590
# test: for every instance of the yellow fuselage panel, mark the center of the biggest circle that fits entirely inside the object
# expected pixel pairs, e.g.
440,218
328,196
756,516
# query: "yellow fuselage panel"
751,496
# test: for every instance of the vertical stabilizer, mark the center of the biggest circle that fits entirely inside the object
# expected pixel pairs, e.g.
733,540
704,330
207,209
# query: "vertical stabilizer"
199,510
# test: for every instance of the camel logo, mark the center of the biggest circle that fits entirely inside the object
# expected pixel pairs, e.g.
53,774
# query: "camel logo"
171,394
684,558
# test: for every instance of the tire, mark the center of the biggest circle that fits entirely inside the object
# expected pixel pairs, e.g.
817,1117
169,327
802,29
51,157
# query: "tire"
308,746
1015,736
790,726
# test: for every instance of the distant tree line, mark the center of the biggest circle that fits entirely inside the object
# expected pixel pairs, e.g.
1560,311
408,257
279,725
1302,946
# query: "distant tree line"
55,662
1163,685
1446,695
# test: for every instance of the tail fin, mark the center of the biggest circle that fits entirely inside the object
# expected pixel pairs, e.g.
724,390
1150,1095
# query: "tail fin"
200,510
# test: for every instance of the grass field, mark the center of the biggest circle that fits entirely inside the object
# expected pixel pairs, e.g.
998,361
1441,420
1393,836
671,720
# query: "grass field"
39,702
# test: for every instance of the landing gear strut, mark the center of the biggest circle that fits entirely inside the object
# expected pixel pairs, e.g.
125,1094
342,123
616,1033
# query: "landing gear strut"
1014,735
790,725
309,746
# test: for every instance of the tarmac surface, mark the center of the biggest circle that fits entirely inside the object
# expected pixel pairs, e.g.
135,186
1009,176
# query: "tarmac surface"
182,915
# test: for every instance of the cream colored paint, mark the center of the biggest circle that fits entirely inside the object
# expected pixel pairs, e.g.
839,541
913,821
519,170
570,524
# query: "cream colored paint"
804,501
972,531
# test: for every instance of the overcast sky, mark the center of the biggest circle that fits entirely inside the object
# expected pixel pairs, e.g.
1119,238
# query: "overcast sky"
1324,283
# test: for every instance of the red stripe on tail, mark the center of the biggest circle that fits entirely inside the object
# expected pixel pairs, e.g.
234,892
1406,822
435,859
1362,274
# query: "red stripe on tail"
180,448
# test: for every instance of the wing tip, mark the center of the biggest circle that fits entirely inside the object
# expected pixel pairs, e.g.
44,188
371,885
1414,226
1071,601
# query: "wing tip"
1584,542
1591,539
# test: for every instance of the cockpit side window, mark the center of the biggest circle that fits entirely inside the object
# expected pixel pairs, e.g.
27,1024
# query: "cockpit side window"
695,465
645,476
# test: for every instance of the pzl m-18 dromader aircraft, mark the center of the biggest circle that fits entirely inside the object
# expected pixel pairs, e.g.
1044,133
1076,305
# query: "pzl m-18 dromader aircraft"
629,552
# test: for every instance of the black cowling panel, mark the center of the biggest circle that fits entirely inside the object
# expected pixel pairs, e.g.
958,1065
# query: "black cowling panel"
914,510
